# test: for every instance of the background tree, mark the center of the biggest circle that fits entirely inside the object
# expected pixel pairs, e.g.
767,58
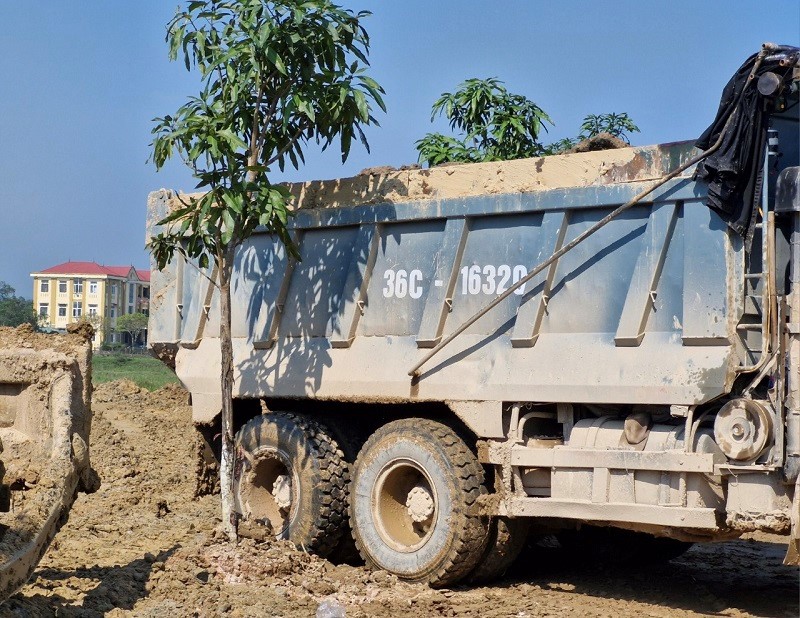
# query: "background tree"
493,125
133,324
15,310
617,125
275,76
561,146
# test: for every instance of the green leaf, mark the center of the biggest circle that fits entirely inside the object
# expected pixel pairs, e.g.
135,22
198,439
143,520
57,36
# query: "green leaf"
235,202
275,60
232,138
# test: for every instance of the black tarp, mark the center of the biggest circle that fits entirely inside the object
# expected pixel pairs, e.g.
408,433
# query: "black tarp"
733,171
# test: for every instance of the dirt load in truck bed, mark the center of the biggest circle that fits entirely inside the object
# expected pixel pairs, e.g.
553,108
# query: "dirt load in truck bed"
143,546
596,162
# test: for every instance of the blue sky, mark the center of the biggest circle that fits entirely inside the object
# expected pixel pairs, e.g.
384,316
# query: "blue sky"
81,82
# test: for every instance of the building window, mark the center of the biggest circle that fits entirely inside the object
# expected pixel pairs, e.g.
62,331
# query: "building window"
113,312
131,290
113,290
62,310
44,286
44,310
92,287
62,287
77,309
92,310
77,286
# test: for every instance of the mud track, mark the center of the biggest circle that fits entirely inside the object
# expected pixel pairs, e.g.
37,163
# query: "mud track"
142,546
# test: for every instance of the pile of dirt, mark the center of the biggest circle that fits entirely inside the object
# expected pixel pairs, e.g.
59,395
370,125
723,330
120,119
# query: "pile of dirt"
601,141
25,337
143,546
128,390
44,399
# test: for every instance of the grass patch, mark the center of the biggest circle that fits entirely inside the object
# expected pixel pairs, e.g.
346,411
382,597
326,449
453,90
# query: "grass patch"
146,371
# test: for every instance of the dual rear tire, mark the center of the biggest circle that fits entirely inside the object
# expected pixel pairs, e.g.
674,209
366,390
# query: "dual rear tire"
413,497
413,504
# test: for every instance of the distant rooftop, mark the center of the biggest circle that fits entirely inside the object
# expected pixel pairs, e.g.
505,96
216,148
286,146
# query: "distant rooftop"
93,268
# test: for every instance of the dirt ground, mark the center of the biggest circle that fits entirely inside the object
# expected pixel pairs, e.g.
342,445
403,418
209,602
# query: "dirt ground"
142,546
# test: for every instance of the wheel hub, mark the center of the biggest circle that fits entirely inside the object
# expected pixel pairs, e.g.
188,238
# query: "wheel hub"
419,503
267,490
404,505
282,491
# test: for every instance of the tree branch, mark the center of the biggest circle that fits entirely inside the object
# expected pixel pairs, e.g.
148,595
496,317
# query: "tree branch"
288,146
273,107
254,135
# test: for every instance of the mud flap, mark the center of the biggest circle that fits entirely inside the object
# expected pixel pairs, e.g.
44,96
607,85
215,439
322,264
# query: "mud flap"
793,551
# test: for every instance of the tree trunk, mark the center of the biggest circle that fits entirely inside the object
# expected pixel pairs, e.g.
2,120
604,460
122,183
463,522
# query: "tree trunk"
226,383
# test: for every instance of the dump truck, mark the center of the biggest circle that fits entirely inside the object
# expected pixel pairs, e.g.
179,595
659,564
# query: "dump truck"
45,419
596,341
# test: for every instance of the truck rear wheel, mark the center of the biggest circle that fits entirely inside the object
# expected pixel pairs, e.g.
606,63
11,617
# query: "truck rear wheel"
507,538
350,438
289,482
412,503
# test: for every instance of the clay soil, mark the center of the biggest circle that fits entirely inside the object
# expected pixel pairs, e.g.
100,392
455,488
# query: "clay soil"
142,546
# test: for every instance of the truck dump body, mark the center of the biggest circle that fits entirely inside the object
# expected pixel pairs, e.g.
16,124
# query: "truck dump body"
646,377
643,312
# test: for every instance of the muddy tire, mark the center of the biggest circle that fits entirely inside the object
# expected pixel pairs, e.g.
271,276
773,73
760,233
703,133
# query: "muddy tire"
290,482
412,506
350,440
507,538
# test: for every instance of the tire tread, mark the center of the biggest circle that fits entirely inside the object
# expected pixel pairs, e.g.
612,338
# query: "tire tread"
332,467
471,535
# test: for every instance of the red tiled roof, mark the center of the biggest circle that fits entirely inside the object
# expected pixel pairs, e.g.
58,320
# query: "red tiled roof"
118,271
93,268
75,268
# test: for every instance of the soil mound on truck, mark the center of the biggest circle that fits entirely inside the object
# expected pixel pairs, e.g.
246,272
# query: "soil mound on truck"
601,141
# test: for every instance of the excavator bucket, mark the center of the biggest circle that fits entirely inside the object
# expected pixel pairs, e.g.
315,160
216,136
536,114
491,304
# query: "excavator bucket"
45,417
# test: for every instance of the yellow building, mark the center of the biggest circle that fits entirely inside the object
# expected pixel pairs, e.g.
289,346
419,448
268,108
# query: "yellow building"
73,291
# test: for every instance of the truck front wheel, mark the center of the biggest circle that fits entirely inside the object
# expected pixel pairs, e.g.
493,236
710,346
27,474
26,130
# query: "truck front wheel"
290,482
413,498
